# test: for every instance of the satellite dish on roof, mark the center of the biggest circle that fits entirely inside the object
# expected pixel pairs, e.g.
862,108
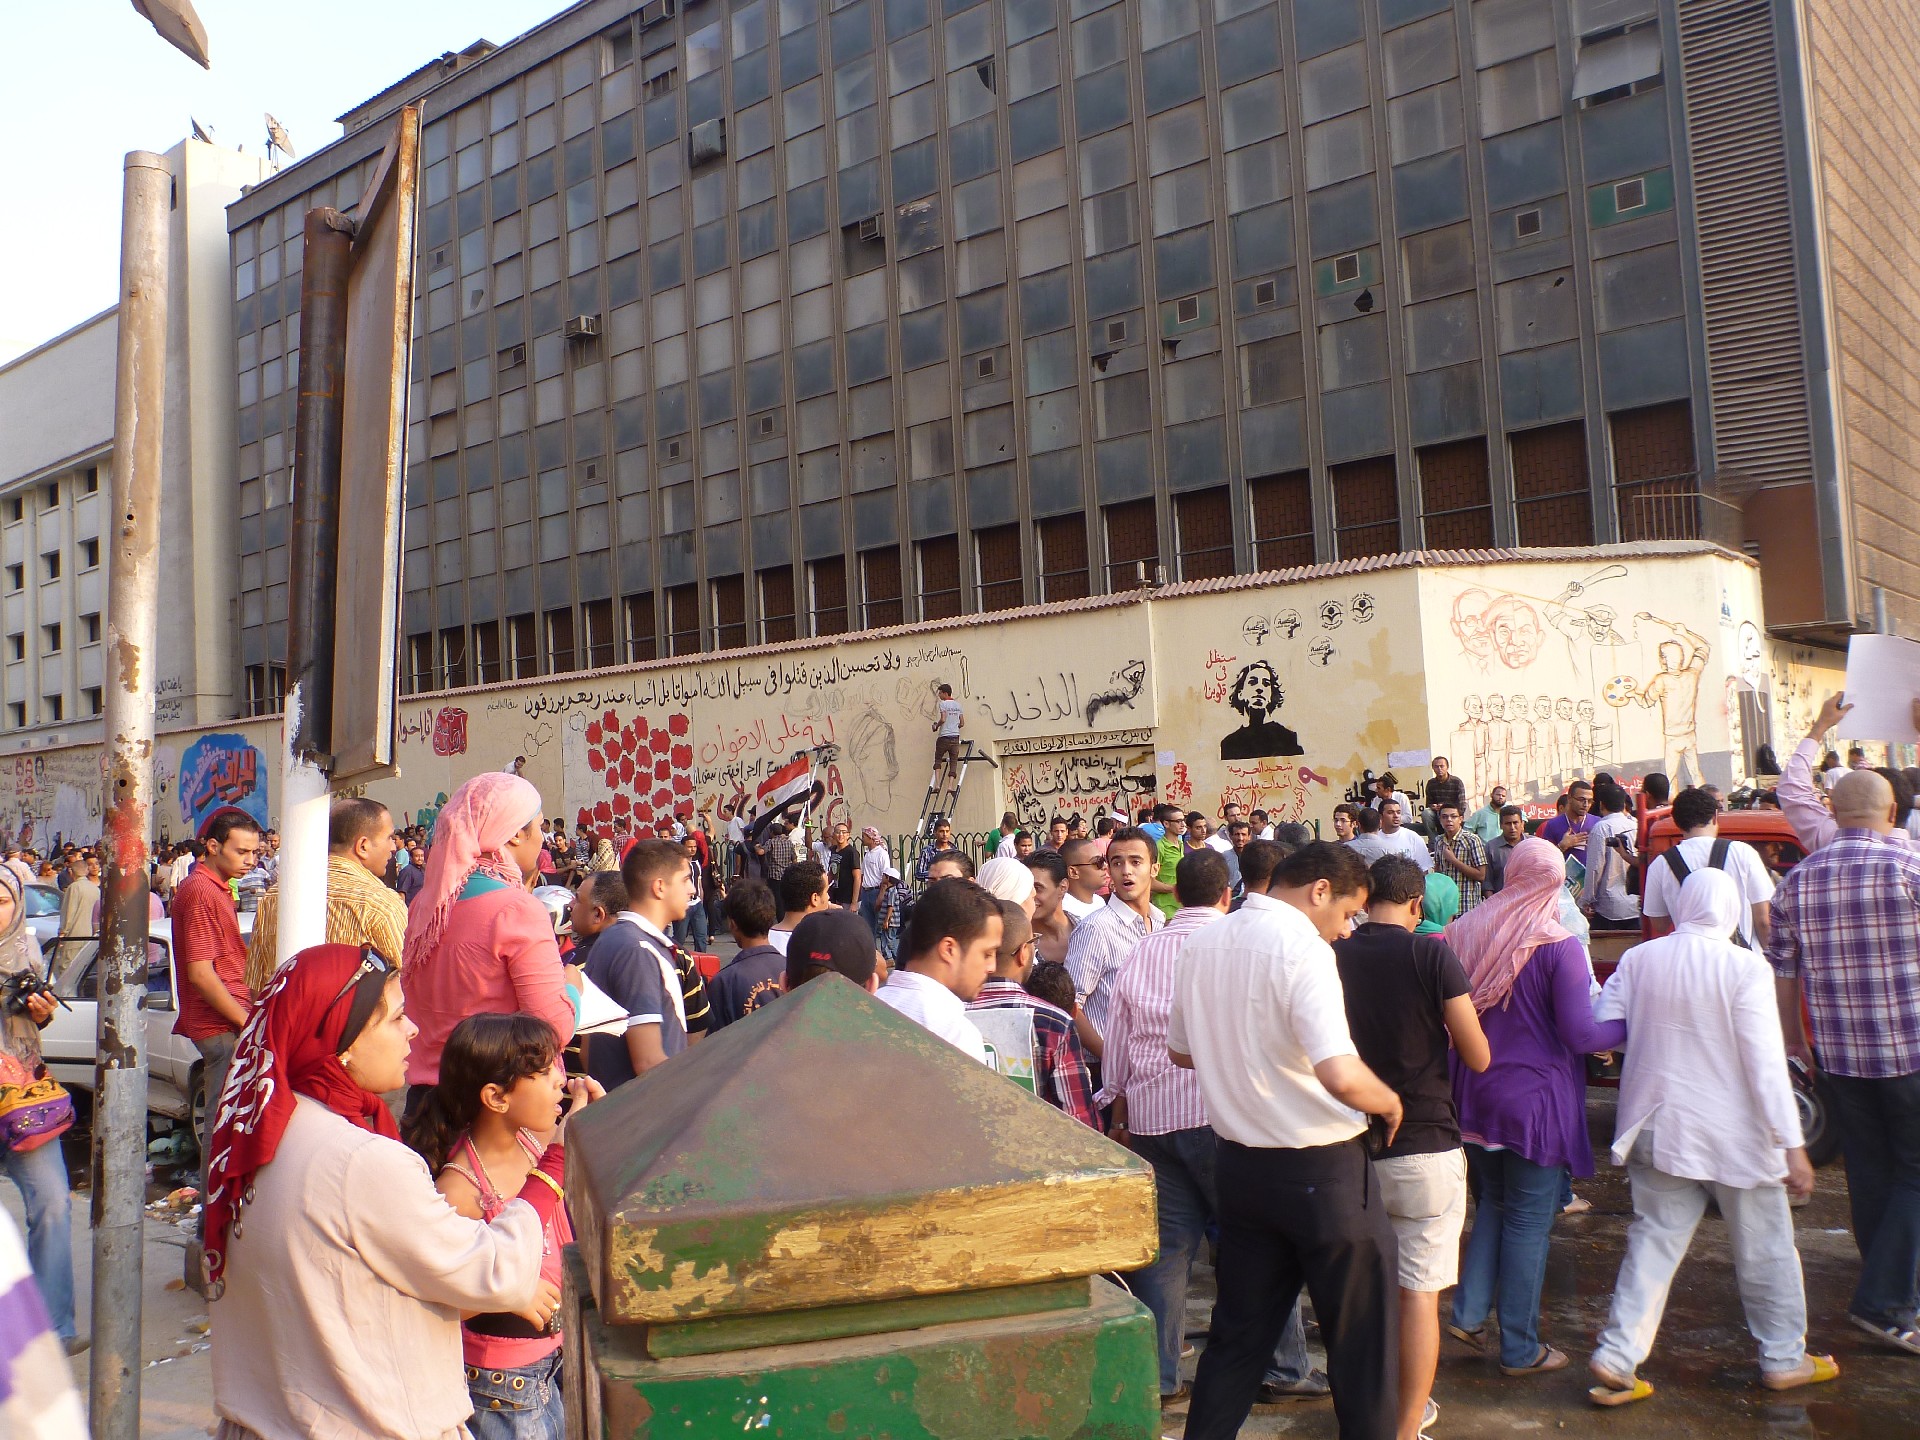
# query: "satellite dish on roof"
202,133
178,26
277,140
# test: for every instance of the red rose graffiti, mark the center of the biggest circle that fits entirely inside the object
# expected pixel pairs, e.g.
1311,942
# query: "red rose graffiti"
450,731
647,771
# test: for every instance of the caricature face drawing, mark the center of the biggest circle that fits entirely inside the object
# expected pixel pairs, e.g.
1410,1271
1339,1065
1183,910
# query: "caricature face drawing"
1257,689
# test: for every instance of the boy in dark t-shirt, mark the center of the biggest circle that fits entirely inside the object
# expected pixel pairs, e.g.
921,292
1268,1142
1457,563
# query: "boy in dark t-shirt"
637,964
1407,996
753,977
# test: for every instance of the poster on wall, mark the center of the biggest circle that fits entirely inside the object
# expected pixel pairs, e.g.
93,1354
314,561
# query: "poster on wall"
221,770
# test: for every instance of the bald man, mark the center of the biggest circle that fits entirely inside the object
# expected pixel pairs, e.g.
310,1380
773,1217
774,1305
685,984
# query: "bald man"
1846,936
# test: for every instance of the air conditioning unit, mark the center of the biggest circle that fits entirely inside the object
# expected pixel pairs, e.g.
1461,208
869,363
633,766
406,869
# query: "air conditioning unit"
581,327
1116,332
654,11
512,356
870,228
1265,292
1186,310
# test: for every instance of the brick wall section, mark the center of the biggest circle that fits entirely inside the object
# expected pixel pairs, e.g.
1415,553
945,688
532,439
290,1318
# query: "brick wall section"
1132,539
1552,506
1063,557
1282,508
1366,508
1653,472
1203,525
1865,63
1456,504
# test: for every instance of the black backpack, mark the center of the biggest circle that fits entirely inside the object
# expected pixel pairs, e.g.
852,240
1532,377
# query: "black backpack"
1716,860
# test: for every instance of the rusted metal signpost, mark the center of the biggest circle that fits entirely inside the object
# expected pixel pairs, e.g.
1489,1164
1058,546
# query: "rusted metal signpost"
356,308
120,1071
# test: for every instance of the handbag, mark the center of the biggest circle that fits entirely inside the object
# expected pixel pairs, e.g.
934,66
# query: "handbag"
34,1107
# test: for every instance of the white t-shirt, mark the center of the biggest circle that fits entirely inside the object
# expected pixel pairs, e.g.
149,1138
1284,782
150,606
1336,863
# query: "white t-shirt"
1006,849
1743,866
1080,909
1257,1005
1220,841
873,868
1605,891
1402,842
950,716
778,939
934,1008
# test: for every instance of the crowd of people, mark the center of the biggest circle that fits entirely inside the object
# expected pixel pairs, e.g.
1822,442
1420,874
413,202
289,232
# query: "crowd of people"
1324,1048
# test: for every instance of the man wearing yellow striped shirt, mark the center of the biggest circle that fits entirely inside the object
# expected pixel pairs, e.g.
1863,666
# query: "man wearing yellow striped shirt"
361,910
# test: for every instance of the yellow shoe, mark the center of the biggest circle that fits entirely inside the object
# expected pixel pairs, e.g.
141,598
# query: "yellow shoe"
1616,1389
1817,1370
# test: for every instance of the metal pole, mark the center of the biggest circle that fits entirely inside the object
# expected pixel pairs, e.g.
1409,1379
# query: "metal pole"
1881,625
328,258
133,582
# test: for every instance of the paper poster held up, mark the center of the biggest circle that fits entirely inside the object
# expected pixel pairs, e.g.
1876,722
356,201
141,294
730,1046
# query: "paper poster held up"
1883,681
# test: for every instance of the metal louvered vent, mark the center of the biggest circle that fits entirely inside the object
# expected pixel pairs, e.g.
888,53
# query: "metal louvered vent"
1756,364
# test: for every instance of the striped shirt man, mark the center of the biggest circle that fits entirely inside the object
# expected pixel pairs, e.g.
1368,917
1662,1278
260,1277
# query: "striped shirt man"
1098,946
361,910
1160,1097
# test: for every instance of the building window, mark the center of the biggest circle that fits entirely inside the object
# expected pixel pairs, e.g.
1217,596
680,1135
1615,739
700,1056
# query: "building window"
643,629
50,565
730,612
16,577
938,561
90,480
419,663
776,605
596,623
1282,511
1456,501
523,651
1133,545
453,658
92,696
683,620
90,628
50,497
881,602
1656,488
827,595
54,708
560,653
997,568
1553,504
17,645
1366,508
486,654
16,510
1063,557
266,689
1203,533
89,554
50,639
17,715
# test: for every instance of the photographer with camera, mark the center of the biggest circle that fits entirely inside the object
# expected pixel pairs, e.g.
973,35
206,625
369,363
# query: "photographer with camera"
34,1111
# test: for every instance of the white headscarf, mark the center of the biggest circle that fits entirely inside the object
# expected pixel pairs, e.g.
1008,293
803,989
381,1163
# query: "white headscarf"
1007,880
1707,907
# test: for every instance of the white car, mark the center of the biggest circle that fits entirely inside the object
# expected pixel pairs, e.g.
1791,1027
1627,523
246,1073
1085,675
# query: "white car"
70,1042
43,912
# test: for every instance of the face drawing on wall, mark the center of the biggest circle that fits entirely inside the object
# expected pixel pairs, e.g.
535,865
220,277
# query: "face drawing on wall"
1257,695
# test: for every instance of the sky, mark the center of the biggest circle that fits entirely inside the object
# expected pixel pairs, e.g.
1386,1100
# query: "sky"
88,80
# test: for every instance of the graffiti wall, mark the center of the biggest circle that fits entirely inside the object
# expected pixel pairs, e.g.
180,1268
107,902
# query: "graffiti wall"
1284,698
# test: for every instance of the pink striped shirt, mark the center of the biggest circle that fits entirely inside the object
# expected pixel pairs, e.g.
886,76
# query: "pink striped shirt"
1161,1097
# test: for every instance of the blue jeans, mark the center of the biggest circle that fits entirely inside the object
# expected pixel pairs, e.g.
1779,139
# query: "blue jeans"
1188,1202
870,907
41,1174
518,1404
1879,1124
693,932
1506,1259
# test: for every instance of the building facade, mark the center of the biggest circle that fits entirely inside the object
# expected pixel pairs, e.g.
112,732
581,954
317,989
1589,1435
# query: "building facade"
56,452
741,322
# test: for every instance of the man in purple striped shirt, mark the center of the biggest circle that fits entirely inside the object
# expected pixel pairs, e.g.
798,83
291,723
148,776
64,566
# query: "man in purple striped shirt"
1159,1113
1846,932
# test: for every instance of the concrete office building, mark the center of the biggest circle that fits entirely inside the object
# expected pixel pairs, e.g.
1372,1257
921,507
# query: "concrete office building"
56,452
745,321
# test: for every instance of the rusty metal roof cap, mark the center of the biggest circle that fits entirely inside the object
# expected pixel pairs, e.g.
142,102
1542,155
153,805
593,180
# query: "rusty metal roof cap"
828,1150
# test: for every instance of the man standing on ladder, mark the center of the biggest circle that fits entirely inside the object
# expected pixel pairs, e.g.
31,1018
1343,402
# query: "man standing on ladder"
947,725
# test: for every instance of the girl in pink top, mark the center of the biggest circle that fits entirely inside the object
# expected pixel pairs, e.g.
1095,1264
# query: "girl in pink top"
477,942
482,1131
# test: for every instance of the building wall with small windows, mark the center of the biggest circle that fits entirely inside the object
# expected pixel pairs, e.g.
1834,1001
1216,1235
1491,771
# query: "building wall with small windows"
56,454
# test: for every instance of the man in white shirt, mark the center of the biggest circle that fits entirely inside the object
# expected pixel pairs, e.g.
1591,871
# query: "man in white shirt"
1392,838
1086,869
1259,1014
952,943
1104,939
1698,816
874,863
1706,1110
1220,839
1608,860
949,719
803,890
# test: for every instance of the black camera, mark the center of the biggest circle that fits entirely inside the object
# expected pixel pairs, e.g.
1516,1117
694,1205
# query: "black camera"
21,988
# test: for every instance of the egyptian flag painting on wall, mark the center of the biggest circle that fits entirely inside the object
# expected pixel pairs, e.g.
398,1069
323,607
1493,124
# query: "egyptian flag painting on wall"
784,795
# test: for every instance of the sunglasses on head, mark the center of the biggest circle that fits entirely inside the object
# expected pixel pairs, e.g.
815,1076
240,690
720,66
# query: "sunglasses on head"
372,962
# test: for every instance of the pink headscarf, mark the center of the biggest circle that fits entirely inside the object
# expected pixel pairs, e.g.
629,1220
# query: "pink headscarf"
1496,938
468,840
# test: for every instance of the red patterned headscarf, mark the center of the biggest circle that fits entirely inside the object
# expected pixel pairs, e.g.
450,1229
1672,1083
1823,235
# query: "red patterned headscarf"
291,1046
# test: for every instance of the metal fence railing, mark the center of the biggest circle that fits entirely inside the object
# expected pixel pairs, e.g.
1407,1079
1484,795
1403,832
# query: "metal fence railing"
1674,507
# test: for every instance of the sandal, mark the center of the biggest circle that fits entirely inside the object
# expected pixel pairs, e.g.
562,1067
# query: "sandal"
1550,1359
1894,1336
1475,1339
1816,1370
1615,1389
